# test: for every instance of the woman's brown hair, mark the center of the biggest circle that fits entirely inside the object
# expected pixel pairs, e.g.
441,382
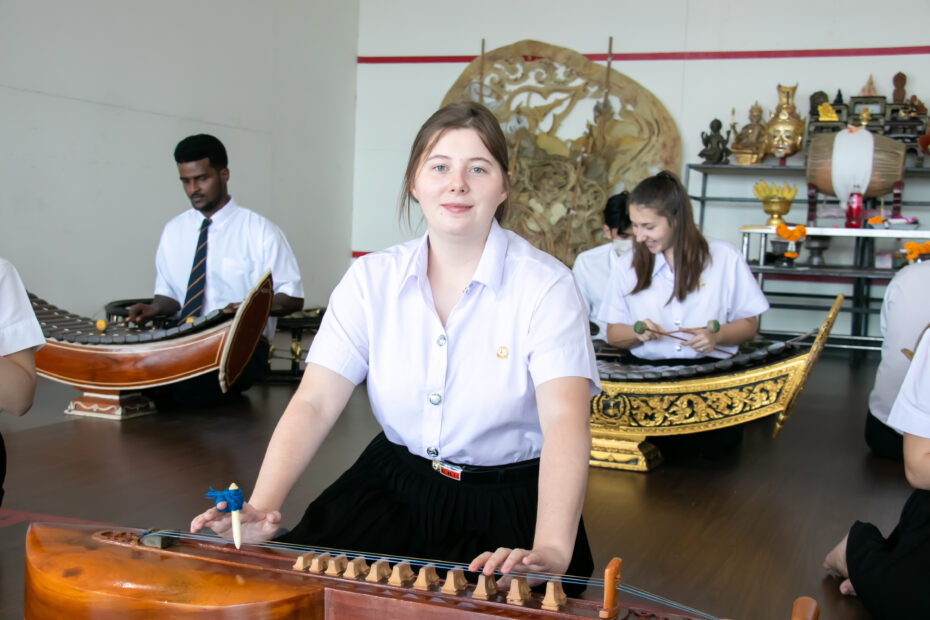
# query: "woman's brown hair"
465,115
665,195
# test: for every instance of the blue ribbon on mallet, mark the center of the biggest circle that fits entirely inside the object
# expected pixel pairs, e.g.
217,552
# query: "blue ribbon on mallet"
233,499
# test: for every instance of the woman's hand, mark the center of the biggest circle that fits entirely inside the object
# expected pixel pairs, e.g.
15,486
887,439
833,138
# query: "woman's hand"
544,560
257,526
650,332
703,340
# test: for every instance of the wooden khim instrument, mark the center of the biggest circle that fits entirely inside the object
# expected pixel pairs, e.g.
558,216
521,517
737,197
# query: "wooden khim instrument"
110,366
80,571
639,401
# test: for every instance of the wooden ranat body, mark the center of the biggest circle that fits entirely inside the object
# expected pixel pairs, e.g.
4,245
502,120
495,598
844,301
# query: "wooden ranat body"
77,572
110,367
635,406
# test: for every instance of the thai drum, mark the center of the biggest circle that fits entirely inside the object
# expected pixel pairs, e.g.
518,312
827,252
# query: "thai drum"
887,165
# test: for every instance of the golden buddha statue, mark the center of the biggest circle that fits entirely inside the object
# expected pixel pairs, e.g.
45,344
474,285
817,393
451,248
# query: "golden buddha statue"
827,112
749,144
785,130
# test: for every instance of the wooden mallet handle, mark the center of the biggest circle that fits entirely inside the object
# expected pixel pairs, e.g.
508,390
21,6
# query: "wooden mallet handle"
639,327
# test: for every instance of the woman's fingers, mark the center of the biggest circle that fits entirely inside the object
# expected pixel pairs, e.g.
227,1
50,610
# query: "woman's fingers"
256,525
506,560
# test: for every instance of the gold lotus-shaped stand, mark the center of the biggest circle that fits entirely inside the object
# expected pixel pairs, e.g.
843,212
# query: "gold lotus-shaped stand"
776,201
776,208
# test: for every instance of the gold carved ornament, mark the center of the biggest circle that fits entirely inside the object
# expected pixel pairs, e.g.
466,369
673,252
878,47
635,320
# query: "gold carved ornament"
575,131
653,411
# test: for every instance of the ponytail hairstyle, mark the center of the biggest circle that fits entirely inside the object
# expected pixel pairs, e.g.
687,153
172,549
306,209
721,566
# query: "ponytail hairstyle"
665,195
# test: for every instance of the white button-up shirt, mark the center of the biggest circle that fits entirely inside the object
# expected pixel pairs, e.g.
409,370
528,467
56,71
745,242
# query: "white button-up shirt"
592,273
726,292
19,329
465,392
905,313
241,246
911,410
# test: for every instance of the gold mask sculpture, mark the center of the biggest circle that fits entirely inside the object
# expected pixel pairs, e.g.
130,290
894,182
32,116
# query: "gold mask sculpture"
785,130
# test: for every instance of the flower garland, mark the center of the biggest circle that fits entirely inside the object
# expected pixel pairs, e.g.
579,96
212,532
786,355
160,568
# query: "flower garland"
791,235
915,249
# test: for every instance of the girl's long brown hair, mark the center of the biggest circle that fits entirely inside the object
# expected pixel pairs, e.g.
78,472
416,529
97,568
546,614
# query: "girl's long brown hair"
665,195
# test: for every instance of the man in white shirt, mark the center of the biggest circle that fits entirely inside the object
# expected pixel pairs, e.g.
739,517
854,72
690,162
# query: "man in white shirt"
592,267
210,256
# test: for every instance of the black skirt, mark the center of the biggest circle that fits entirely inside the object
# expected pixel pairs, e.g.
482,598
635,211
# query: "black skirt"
393,503
891,575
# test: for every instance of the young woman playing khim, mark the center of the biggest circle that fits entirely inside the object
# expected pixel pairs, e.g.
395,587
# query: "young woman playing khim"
477,358
676,281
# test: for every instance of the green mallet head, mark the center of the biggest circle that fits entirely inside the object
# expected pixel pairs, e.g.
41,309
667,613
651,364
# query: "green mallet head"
639,327
713,326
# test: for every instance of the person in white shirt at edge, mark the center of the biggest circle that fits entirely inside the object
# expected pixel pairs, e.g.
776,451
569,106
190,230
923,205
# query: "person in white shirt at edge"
592,267
889,575
20,337
476,352
676,281
905,313
241,246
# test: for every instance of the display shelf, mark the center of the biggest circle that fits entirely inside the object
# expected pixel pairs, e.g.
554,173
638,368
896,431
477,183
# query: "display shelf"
763,171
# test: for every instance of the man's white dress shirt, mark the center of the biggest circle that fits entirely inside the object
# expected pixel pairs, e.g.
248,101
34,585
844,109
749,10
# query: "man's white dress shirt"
592,273
241,246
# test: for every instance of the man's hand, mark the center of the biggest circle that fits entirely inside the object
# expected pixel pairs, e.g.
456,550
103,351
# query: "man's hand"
141,313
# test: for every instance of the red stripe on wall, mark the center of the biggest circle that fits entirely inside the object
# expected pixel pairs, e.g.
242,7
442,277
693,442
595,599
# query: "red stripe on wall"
815,53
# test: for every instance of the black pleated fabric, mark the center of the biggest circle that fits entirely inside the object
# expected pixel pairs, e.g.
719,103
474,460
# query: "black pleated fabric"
891,576
391,503
883,441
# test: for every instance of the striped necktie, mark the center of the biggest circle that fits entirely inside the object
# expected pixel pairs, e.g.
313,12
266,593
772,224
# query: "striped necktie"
193,300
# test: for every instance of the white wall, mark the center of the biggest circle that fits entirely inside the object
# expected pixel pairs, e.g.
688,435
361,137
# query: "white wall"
394,99
95,94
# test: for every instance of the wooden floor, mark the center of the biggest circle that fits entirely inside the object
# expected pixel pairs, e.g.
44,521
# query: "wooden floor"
739,537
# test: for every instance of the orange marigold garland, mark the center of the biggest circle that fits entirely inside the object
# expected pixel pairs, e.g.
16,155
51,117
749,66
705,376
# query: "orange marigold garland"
915,249
791,235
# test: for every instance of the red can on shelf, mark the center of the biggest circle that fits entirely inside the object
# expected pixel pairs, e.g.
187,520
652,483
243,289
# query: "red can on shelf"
854,210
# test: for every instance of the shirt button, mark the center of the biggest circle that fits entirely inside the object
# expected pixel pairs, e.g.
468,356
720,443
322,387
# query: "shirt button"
441,341
435,398
432,452
677,323
678,348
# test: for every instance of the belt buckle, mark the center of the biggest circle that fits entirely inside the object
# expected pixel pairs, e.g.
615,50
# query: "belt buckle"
448,470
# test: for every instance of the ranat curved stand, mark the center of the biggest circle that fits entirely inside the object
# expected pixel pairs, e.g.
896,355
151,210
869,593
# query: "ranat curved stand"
646,401
111,367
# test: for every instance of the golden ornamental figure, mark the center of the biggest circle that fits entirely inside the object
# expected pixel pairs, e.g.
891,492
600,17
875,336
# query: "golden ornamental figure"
785,130
749,144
